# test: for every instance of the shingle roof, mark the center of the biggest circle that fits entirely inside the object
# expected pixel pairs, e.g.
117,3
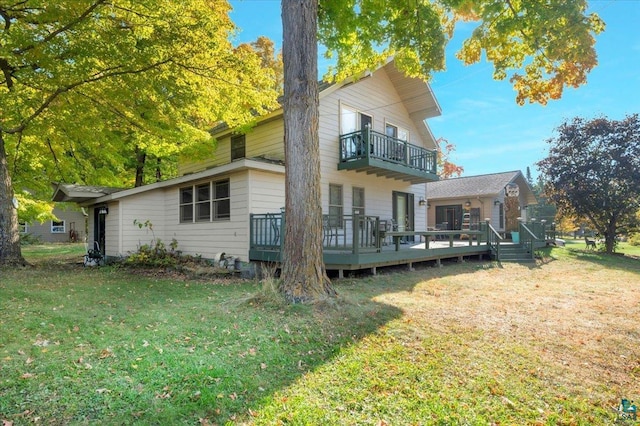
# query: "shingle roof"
81,193
471,186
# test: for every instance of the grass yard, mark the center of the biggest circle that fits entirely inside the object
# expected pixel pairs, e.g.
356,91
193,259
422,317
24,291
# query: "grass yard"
552,343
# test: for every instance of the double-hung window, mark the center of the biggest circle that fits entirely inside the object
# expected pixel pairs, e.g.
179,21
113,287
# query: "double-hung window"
238,147
186,204
205,202
336,208
221,200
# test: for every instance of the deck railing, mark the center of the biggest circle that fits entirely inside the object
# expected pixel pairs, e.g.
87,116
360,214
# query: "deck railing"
356,233
371,144
493,239
528,239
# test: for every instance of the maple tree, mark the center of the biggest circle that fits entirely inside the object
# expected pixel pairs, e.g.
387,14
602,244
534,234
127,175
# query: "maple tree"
543,47
86,85
448,168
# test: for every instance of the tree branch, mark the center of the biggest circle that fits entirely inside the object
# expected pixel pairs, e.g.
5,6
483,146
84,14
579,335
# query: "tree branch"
64,28
61,90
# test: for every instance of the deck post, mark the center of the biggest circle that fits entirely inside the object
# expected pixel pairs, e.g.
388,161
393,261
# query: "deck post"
355,232
374,271
340,274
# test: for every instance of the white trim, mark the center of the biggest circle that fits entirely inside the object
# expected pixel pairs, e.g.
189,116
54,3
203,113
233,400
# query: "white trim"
55,229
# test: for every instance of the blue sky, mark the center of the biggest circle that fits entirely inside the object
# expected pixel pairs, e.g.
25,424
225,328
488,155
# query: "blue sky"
480,116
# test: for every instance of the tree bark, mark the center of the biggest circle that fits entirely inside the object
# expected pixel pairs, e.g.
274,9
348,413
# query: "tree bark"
10,251
141,158
304,277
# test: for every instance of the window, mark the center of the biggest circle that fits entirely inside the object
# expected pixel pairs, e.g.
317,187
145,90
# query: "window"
203,203
186,204
238,147
57,227
212,201
352,120
396,132
335,205
221,200
358,201
23,227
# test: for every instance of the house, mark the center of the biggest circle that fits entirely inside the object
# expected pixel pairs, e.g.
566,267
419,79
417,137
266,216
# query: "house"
69,227
376,156
465,202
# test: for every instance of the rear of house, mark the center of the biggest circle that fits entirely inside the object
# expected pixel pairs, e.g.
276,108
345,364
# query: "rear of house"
376,155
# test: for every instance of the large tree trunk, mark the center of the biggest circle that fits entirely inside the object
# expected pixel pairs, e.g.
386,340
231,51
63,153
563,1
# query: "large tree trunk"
10,252
303,274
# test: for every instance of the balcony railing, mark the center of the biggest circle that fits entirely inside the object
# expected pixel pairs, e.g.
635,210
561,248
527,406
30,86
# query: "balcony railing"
369,144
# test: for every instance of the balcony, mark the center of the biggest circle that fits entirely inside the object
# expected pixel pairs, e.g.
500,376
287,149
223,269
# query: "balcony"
376,153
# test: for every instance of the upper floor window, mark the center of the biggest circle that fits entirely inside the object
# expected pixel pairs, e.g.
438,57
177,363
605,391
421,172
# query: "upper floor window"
352,120
23,227
394,131
238,147
58,227
205,202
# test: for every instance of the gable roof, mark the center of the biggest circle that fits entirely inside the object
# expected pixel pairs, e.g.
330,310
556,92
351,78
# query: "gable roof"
489,185
80,193
416,96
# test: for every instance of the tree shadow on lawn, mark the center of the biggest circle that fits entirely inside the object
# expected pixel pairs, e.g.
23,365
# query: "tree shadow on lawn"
128,348
105,345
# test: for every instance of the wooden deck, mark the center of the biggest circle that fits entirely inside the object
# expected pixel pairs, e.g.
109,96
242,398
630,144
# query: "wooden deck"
363,243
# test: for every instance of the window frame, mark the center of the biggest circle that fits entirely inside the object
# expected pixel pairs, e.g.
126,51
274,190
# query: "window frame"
398,131
56,228
358,119
336,211
217,200
361,208
23,227
238,147
202,204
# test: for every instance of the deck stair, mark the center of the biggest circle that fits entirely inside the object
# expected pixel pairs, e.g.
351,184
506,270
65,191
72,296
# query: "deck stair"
515,253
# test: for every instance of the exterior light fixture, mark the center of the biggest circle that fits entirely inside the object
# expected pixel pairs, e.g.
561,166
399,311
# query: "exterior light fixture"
103,210
422,202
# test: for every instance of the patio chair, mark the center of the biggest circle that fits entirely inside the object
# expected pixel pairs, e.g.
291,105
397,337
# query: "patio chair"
94,256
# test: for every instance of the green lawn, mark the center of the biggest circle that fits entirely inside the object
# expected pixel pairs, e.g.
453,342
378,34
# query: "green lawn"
623,247
473,343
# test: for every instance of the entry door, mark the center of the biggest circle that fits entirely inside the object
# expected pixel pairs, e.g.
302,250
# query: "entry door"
403,212
99,225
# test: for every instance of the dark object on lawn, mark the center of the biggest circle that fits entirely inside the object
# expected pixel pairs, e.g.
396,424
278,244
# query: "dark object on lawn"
94,256
589,242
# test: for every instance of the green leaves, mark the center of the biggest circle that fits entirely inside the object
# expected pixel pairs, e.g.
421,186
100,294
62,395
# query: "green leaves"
543,46
593,171
85,83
